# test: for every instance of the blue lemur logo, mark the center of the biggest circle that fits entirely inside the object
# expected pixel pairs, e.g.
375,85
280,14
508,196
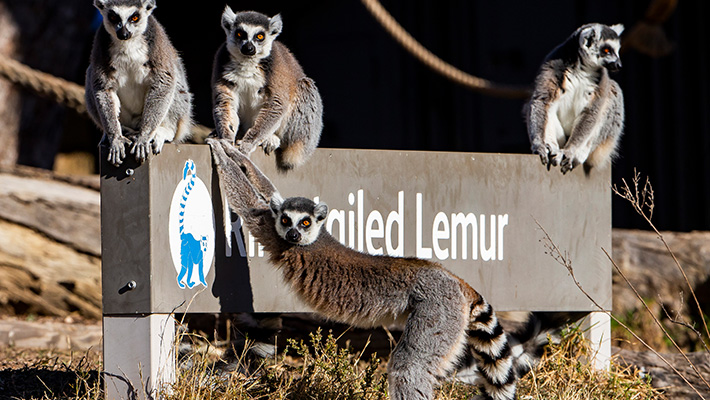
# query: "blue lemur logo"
192,239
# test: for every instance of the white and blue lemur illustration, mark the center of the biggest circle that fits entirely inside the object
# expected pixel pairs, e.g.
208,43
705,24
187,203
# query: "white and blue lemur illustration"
192,250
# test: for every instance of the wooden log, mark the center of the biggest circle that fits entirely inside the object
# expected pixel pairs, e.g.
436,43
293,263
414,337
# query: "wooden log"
662,377
65,212
49,246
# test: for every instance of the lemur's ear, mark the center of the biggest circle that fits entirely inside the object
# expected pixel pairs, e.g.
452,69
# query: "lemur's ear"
149,5
228,17
320,211
100,4
618,28
276,25
586,37
275,203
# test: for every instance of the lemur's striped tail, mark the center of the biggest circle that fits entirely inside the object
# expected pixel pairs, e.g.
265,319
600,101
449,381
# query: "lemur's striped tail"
496,359
489,350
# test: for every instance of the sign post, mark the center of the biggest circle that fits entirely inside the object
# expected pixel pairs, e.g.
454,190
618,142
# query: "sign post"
169,246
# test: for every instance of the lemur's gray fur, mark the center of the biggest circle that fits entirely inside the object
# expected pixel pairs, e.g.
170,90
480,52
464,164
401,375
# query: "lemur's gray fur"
136,88
576,113
447,321
261,97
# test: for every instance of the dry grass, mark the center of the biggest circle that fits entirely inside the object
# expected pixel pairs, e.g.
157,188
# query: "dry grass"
322,369
46,374
317,370
563,375
641,198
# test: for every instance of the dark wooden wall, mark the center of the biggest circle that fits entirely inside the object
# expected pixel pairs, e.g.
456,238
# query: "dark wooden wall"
377,96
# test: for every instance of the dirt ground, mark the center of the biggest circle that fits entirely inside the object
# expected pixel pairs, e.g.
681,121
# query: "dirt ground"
47,374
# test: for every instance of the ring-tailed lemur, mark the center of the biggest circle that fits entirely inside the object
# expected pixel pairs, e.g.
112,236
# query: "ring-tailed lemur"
136,88
446,319
261,96
576,113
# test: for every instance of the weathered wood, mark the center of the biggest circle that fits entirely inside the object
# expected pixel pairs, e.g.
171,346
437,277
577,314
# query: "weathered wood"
49,246
66,213
50,334
663,377
44,277
645,261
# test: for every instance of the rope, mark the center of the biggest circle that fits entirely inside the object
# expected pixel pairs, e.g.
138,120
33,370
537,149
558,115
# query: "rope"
437,64
71,94
61,91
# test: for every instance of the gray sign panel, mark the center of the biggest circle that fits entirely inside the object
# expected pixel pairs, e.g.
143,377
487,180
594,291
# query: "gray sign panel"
473,212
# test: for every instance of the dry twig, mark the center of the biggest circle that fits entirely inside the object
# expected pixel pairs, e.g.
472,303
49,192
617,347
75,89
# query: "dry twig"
660,325
563,259
677,320
642,202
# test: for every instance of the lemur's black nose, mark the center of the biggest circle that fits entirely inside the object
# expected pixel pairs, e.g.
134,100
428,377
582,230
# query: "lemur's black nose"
293,236
614,66
248,49
123,33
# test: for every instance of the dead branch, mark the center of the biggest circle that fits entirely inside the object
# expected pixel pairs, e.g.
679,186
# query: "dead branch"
564,260
642,202
655,319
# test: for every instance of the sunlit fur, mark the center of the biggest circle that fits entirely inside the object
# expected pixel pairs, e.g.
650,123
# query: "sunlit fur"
298,220
124,12
576,112
261,96
251,23
447,324
136,88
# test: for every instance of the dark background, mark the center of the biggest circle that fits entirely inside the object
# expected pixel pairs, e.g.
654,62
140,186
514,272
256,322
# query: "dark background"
377,96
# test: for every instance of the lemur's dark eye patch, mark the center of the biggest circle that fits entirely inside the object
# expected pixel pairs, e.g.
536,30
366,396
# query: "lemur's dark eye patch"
241,35
286,221
113,18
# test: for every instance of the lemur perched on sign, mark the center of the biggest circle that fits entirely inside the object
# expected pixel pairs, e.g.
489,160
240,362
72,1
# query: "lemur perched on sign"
261,95
447,321
136,87
576,112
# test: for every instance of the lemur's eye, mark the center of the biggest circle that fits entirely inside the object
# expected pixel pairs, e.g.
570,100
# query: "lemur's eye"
113,18
259,36
241,34
285,221
606,50
135,18
306,222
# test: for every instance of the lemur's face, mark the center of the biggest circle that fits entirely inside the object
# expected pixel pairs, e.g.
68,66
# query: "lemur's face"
124,19
298,220
600,44
250,34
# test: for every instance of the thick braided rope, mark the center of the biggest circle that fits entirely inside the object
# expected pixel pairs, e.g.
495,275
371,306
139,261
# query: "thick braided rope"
60,90
437,64
57,89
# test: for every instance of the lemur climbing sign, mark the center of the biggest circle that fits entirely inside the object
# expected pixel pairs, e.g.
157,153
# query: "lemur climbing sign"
191,229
